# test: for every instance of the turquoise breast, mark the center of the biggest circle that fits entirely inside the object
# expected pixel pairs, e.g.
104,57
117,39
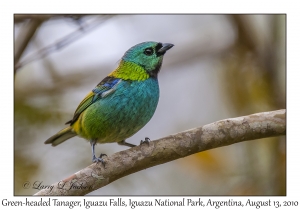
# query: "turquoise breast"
122,113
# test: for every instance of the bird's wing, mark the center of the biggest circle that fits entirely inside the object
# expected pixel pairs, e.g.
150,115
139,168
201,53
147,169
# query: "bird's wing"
104,88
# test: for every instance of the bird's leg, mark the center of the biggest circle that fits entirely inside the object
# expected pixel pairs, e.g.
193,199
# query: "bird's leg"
94,158
146,141
124,143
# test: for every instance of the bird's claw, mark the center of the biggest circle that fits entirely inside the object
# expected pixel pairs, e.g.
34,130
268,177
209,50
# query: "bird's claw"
99,159
102,155
146,141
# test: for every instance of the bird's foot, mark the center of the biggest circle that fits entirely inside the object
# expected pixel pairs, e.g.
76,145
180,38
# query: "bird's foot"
146,141
99,159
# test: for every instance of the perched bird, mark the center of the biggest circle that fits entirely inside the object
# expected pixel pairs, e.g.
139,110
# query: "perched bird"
122,103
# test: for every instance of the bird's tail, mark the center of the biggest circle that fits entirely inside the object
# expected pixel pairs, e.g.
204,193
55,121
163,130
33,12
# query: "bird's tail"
61,136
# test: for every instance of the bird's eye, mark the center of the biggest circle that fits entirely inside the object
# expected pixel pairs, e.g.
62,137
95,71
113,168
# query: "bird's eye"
148,51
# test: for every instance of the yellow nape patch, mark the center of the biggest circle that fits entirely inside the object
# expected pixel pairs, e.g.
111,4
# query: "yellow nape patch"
130,71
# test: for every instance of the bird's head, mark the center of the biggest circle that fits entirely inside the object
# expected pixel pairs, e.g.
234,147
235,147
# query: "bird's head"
148,55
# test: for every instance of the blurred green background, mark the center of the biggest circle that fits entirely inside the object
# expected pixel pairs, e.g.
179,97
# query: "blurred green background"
222,66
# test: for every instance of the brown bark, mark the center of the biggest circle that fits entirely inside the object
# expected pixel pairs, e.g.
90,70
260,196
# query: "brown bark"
217,134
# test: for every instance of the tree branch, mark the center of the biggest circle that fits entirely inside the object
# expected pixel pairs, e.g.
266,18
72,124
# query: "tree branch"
217,134
24,38
61,43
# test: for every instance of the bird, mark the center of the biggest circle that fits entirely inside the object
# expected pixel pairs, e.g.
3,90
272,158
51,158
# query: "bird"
122,103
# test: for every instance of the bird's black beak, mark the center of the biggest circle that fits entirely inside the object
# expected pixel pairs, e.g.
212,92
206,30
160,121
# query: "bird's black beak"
164,48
